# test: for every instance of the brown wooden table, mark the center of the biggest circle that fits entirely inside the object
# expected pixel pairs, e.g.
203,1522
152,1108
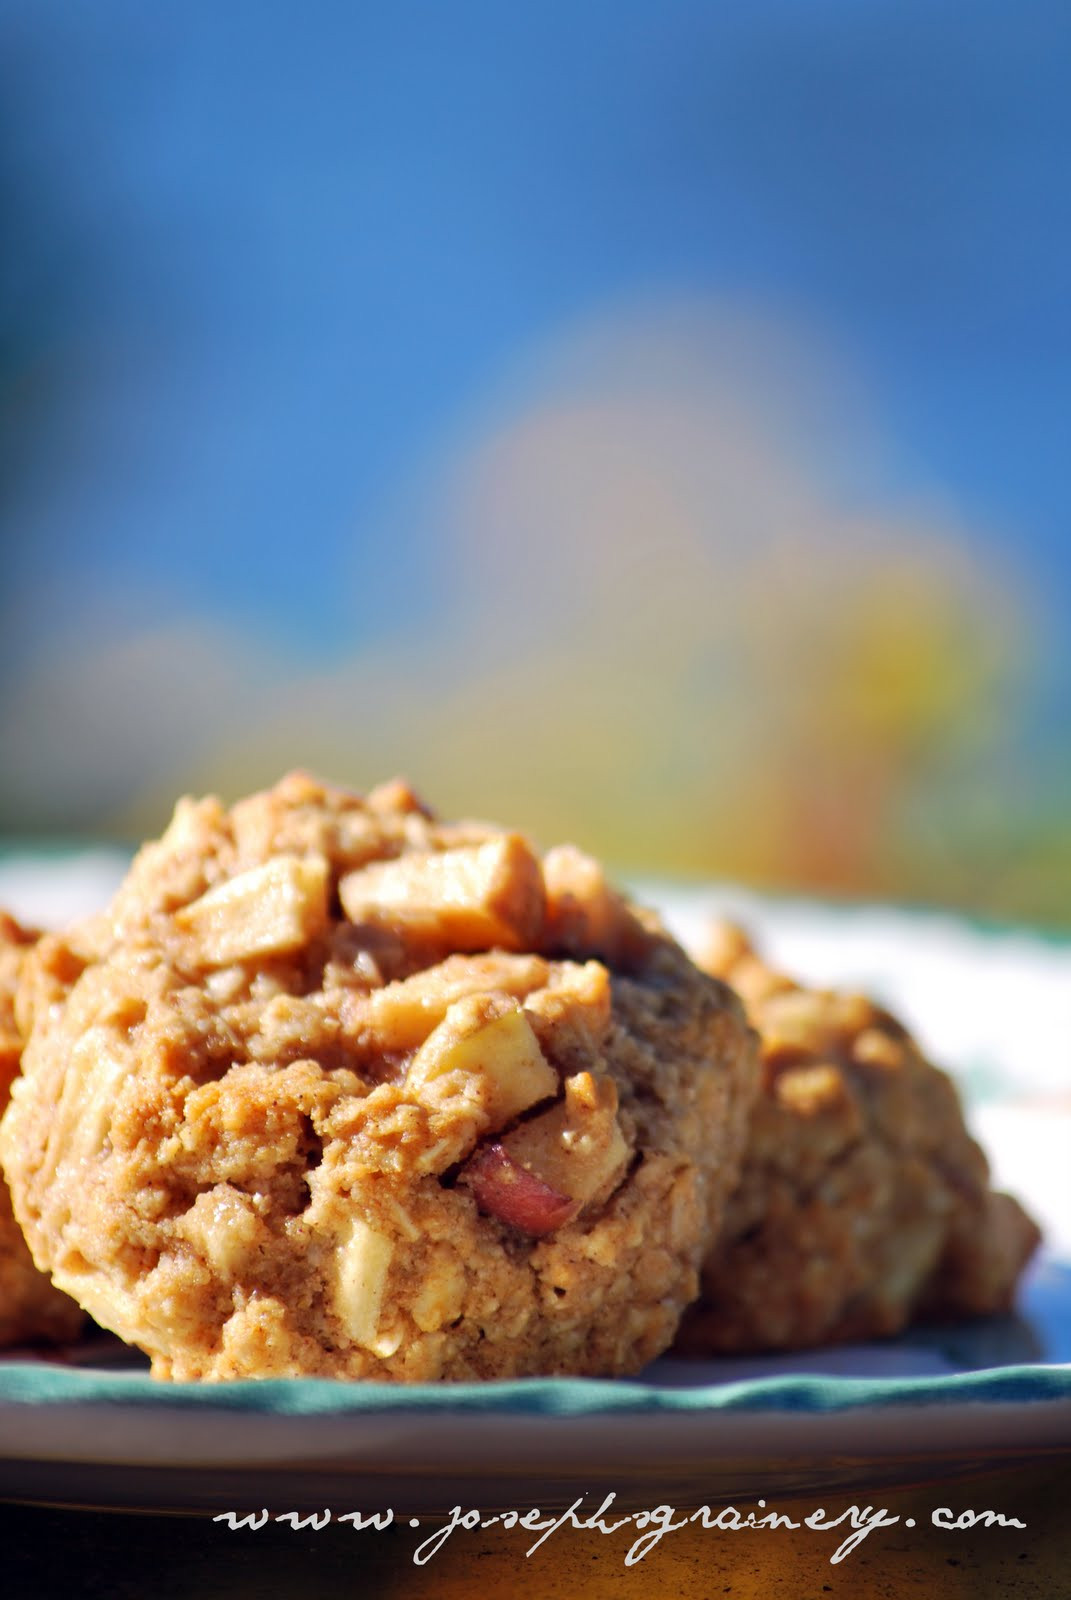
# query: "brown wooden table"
86,1554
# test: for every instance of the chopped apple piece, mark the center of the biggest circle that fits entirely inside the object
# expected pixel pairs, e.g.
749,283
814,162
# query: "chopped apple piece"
584,915
540,1176
396,795
508,1191
485,1046
472,898
808,1090
576,1146
266,910
363,1261
223,1226
405,1012
573,1009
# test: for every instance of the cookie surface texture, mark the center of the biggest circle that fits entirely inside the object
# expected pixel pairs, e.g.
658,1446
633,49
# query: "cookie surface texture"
863,1202
337,1089
31,1309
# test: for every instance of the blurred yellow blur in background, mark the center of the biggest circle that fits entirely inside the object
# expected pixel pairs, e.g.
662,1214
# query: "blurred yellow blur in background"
642,425
666,625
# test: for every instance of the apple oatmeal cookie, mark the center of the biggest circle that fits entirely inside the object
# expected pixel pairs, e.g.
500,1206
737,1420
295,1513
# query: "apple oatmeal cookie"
863,1201
31,1309
336,1088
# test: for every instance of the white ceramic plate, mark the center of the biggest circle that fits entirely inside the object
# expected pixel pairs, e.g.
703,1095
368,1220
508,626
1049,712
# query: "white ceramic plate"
992,1005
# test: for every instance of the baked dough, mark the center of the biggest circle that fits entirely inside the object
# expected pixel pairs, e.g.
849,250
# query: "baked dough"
334,1088
863,1201
31,1309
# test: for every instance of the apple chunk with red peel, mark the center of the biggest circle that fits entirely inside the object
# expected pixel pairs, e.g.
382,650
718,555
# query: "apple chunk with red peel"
508,1191
545,1172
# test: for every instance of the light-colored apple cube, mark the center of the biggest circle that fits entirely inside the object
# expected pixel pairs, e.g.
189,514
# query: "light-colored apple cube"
401,1015
82,1116
442,1294
578,997
585,916
576,1147
395,795
578,894
363,1260
188,822
266,910
222,1227
472,898
484,1049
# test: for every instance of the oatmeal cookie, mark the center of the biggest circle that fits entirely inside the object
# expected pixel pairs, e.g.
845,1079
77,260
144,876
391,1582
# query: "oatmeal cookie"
336,1088
30,1308
863,1201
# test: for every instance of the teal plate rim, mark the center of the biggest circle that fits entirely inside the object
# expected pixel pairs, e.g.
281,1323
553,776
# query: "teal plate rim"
37,1383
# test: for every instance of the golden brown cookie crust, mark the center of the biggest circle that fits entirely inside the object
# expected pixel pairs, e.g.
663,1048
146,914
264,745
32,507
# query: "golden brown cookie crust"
31,1309
337,1089
863,1201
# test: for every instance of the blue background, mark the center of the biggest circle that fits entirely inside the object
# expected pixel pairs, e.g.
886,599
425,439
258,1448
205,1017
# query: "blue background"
266,265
